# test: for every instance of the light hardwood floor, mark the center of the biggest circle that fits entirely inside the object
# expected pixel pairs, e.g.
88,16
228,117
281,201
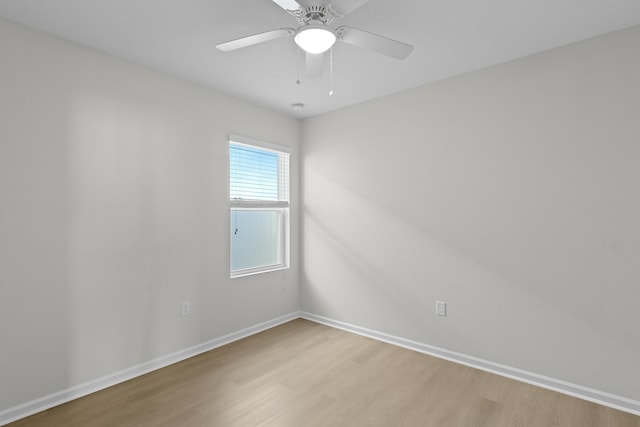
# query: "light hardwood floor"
304,374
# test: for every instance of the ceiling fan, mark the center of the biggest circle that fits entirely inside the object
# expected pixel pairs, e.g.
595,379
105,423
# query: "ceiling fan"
315,36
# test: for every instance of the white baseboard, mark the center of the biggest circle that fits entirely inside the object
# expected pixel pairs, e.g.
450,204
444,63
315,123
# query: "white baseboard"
581,392
63,396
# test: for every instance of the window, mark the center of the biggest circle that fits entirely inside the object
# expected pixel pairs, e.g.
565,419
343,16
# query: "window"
259,195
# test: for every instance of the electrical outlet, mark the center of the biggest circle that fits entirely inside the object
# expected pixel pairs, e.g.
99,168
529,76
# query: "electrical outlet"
186,308
441,308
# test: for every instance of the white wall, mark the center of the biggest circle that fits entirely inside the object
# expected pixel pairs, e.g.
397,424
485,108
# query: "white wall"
511,193
113,210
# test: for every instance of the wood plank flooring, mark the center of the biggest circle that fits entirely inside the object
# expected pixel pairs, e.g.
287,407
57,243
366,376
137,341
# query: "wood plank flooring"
302,374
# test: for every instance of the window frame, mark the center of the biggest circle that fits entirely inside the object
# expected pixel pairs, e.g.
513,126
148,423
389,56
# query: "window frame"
281,206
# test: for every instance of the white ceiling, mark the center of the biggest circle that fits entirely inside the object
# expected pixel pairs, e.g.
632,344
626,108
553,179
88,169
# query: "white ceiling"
450,37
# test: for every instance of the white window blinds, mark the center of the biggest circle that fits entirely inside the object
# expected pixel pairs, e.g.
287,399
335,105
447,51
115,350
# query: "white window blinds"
258,175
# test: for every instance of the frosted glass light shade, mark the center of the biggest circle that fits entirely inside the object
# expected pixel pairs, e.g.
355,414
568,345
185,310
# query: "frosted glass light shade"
315,38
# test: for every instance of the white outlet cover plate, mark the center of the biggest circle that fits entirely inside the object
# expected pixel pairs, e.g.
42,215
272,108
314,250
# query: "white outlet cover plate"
186,308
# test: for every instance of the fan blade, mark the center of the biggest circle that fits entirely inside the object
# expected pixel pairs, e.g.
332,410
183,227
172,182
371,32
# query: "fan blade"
374,42
314,65
343,7
255,39
291,6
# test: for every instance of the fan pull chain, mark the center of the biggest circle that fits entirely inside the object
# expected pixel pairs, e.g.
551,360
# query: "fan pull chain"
331,71
298,77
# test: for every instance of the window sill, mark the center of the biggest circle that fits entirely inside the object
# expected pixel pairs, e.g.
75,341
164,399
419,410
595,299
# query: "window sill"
254,271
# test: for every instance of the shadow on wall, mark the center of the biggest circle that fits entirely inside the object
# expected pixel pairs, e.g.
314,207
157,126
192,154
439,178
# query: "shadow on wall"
110,157
134,237
367,267
34,262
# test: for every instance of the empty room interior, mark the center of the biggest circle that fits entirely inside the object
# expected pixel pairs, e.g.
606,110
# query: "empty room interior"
453,237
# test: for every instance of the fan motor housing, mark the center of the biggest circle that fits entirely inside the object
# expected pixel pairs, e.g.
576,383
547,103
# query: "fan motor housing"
316,13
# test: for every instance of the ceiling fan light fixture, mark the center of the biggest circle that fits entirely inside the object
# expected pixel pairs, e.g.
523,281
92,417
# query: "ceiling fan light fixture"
315,38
